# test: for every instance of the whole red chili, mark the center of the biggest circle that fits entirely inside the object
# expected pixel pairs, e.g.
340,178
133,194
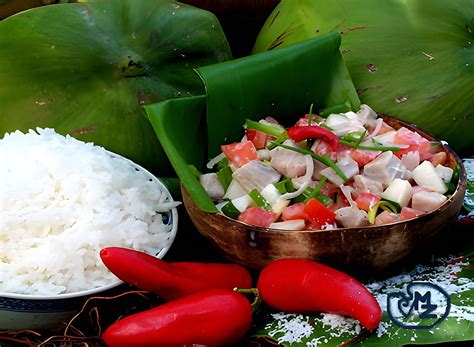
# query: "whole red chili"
171,281
304,286
215,317
301,133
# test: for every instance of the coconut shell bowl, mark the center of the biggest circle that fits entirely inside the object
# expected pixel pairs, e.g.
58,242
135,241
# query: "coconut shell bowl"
192,129
366,251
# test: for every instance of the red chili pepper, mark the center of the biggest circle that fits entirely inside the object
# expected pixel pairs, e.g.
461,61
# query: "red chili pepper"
214,317
304,286
301,133
171,281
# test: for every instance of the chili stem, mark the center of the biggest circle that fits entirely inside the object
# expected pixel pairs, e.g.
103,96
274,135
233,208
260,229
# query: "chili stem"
310,115
324,159
257,301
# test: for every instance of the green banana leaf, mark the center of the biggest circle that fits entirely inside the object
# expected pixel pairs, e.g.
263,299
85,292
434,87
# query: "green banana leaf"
87,69
454,274
411,59
280,84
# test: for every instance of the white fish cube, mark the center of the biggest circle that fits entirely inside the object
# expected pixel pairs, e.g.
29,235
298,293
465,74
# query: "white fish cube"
427,201
398,191
446,173
425,175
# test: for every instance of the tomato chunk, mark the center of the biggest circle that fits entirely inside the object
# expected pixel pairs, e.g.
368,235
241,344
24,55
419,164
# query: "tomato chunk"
257,217
240,153
410,213
363,157
365,201
439,158
295,211
319,214
415,142
258,138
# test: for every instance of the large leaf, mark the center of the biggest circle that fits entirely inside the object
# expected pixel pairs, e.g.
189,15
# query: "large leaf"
87,69
410,59
455,275
281,84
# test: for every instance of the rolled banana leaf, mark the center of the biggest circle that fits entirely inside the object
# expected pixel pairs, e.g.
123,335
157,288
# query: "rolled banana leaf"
410,59
281,84
87,69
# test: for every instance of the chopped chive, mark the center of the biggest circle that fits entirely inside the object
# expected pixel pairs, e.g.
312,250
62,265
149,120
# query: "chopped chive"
316,189
361,138
324,159
279,139
370,148
259,200
385,205
195,171
285,186
225,176
324,125
222,163
230,210
267,128
310,115
342,108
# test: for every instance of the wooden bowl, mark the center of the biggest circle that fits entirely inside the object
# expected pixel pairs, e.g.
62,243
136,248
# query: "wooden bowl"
363,252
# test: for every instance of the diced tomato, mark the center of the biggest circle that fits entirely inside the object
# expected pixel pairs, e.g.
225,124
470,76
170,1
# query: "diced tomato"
257,217
343,151
329,189
385,128
365,201
322,148
363,157
240,153
439,158
341,201
295,211
319,214
415,142
258,138
386,218
409,213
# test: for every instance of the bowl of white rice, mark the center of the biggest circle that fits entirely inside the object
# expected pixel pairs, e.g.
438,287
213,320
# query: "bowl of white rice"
61,202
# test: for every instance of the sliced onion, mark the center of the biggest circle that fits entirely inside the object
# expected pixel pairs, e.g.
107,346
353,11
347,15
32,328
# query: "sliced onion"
378,126
306,180
347,191
215,160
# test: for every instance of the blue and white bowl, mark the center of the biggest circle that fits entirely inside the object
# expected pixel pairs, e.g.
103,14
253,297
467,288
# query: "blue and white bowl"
21,311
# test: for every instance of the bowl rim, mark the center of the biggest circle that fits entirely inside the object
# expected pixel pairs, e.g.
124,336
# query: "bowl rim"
461,186
89,292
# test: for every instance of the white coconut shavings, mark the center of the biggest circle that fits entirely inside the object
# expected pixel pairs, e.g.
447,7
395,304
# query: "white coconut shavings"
293,328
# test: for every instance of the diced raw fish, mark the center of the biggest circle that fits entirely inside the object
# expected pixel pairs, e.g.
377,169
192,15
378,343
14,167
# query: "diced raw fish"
362,157
411,160
386,218
347,165
414,141
352,217
385,168
212,185
439,158
409,213
322,148
446,173
255,175
288,162
264,154
363,184
427,201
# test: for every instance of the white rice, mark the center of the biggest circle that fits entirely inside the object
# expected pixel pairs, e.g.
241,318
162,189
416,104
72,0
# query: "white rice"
61,201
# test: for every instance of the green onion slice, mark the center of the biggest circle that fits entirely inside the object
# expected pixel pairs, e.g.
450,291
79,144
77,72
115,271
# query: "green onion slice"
267,128
324,159
259,200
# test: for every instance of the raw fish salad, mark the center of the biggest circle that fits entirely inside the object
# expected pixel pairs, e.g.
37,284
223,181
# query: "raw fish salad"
61,202
346,170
